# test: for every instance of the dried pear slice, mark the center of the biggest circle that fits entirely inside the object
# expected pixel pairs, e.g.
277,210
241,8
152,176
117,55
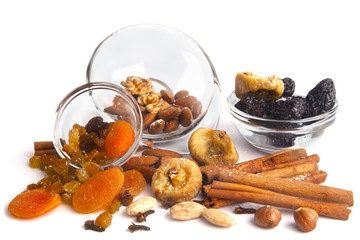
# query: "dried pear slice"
209,146
176,180
249,84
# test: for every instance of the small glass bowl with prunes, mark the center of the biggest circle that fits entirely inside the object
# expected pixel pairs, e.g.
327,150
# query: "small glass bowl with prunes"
290,121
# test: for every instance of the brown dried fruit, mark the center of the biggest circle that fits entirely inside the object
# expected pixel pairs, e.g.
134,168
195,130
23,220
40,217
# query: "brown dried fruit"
157,126
186,117
167,96
209,146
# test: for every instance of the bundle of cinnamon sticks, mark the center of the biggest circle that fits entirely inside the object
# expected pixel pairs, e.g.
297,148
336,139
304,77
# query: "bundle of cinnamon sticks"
287,179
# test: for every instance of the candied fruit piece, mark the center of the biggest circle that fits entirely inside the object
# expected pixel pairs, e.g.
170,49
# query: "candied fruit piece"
289,87
33,203
97,192
289,108
321,98
96,124
134,181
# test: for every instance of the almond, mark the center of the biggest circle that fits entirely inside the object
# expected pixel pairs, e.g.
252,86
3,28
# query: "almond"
169,113
161,153
186,117
141,205
196,109
167,96
148,119
157,126
186,101
137,161
218,217
186,210
181,94
171,125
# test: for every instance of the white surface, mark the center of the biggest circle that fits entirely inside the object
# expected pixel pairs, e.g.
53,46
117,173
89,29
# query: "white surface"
45,48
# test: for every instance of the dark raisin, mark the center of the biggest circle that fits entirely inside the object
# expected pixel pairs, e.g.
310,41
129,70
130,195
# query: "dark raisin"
86,142
126,198
96,124
253,106
321,98
289,87
289,108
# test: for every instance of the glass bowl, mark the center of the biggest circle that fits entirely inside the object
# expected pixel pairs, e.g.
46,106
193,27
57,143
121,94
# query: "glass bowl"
88,101
171,60
271,136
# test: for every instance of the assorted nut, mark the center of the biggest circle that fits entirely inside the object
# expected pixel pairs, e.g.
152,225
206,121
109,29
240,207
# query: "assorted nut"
141,205
175,110
306,219
218,217
267,217
187,210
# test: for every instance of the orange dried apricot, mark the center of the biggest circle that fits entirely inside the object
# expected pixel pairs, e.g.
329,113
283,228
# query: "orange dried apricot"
119,139
33,203
134,181
97,192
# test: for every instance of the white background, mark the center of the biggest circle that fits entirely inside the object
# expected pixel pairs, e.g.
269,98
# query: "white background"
45,47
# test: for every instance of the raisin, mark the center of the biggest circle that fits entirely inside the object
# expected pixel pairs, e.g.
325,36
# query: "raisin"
126,198
289,108
96,124
253,106
103,220
321,98
289,87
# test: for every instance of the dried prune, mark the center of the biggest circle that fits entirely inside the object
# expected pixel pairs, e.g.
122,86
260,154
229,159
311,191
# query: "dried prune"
252,105
321,98
289,108
289,87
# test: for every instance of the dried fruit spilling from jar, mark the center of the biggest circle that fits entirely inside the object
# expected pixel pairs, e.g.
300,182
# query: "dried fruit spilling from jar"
186,187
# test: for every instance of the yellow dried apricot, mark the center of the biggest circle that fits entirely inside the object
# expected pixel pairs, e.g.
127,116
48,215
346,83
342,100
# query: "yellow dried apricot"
119,139
134,181
33,203
97,192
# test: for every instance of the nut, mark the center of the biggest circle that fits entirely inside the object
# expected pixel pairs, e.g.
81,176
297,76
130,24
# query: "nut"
167,96
148,119
181,94
171,125
141,205
218,217
186,210
157,126
306,219
186,101
186,117
157,106
137,86
267,217
169,113
196,109
148,98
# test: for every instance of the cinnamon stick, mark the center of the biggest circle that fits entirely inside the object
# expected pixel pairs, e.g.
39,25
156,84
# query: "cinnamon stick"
44,147
333,210
315,177
300,189
307,167
210,172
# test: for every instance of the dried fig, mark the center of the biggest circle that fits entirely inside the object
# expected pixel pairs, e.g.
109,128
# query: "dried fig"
209,146
176,180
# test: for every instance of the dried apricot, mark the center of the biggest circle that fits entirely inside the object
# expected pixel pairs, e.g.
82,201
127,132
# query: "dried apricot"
33,203
97,192
119,139
134,181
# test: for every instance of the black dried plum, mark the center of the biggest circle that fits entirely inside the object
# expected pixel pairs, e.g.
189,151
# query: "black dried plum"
289,87
282,139
289,108
321,98
253,106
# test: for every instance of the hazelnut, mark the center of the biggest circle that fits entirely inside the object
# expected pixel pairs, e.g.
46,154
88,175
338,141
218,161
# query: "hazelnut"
267,217
306,219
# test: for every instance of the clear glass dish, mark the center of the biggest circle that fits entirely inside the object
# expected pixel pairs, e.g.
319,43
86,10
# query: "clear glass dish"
271,136
171,60
88,101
